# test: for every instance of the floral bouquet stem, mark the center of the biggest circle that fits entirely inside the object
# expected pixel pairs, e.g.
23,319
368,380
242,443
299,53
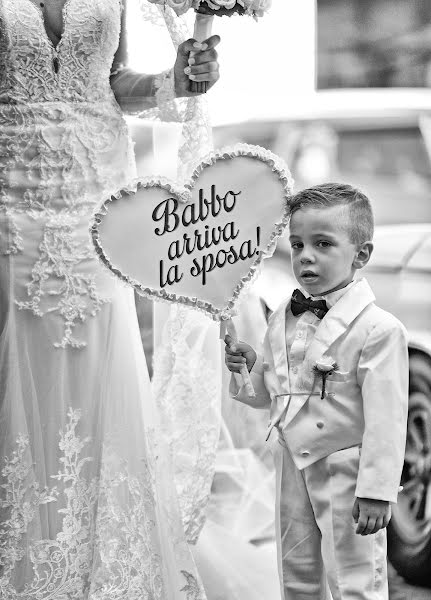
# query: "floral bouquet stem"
202,31
205,11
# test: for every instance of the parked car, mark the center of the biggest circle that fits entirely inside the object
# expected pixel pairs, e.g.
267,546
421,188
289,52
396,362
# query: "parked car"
400,275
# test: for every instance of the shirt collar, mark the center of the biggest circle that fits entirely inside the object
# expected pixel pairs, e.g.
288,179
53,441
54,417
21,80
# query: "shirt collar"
332,297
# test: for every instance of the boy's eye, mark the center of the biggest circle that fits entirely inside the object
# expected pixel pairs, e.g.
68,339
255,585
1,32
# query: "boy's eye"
296,245
324,244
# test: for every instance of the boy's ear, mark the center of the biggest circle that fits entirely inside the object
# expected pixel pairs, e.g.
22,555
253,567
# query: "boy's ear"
363,255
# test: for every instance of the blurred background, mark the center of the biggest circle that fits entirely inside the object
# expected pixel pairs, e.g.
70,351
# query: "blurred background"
379,43
341,89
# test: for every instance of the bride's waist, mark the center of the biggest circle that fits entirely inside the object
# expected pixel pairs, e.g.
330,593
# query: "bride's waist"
69,102
32,228
21,114
50,251
48,218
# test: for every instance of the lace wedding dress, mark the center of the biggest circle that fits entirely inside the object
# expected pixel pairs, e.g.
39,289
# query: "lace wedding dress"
87,502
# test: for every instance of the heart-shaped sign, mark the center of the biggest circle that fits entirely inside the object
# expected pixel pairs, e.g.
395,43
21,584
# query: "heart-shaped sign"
200,244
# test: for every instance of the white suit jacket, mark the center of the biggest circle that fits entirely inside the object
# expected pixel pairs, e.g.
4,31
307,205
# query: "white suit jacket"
367,399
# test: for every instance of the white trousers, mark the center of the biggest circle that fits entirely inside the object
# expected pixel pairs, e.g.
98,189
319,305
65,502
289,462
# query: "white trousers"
318,551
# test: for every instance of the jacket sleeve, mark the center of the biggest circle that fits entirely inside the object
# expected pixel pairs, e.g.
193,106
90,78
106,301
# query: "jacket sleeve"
383,374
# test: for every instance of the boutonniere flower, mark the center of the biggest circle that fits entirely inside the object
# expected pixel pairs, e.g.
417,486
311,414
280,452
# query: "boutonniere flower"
324,369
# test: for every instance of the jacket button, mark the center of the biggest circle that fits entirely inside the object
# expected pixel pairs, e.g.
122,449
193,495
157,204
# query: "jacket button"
305,453
265,366
320,424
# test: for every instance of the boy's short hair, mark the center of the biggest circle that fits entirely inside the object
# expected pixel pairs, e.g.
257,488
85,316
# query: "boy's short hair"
361,219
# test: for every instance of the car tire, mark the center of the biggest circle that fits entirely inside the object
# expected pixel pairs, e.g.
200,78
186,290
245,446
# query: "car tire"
409,532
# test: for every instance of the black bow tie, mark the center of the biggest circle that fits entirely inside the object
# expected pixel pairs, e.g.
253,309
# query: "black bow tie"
300,304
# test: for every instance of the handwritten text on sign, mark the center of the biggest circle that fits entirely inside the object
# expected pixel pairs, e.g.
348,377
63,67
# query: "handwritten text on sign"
170,214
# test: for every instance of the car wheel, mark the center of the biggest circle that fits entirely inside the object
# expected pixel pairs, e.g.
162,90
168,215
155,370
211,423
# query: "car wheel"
409,532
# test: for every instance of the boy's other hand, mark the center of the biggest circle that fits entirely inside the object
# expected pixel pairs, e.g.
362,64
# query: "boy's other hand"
371,515
237,354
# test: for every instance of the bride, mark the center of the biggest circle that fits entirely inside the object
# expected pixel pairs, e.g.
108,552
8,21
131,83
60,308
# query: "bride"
88,509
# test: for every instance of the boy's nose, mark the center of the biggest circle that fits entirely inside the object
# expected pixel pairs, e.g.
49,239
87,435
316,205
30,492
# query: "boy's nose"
306,257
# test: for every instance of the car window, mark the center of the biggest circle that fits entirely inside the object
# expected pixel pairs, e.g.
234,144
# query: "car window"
421,259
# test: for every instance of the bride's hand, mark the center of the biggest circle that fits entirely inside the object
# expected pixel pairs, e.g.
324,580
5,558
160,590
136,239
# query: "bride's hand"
204,68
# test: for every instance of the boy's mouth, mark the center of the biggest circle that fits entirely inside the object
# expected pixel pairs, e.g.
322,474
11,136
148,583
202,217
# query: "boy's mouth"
308,276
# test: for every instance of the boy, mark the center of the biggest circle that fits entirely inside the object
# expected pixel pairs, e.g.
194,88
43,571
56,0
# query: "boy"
334,373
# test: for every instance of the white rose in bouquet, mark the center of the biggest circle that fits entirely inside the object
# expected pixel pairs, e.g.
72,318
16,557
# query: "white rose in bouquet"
257,8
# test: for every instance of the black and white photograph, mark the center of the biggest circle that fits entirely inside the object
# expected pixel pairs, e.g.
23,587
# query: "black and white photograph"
215,314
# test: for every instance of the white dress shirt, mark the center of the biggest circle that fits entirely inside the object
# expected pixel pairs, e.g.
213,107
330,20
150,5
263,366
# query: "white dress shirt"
300,331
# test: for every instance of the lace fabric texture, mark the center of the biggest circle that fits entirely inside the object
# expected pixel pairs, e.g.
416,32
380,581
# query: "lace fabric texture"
187,382
61,131
190,407
87,505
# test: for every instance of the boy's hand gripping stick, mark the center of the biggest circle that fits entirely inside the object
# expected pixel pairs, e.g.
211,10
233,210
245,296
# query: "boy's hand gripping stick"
228,327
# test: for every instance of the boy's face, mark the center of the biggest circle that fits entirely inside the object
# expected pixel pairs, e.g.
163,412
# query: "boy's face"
323,257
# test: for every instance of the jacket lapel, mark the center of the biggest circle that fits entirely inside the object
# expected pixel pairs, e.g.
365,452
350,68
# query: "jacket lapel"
332,326
277,340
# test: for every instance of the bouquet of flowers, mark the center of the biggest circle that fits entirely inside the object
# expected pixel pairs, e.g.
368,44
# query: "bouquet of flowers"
207,9
255,8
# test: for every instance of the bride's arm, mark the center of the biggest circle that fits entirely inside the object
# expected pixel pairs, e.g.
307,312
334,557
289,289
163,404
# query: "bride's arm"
138,92
134,92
